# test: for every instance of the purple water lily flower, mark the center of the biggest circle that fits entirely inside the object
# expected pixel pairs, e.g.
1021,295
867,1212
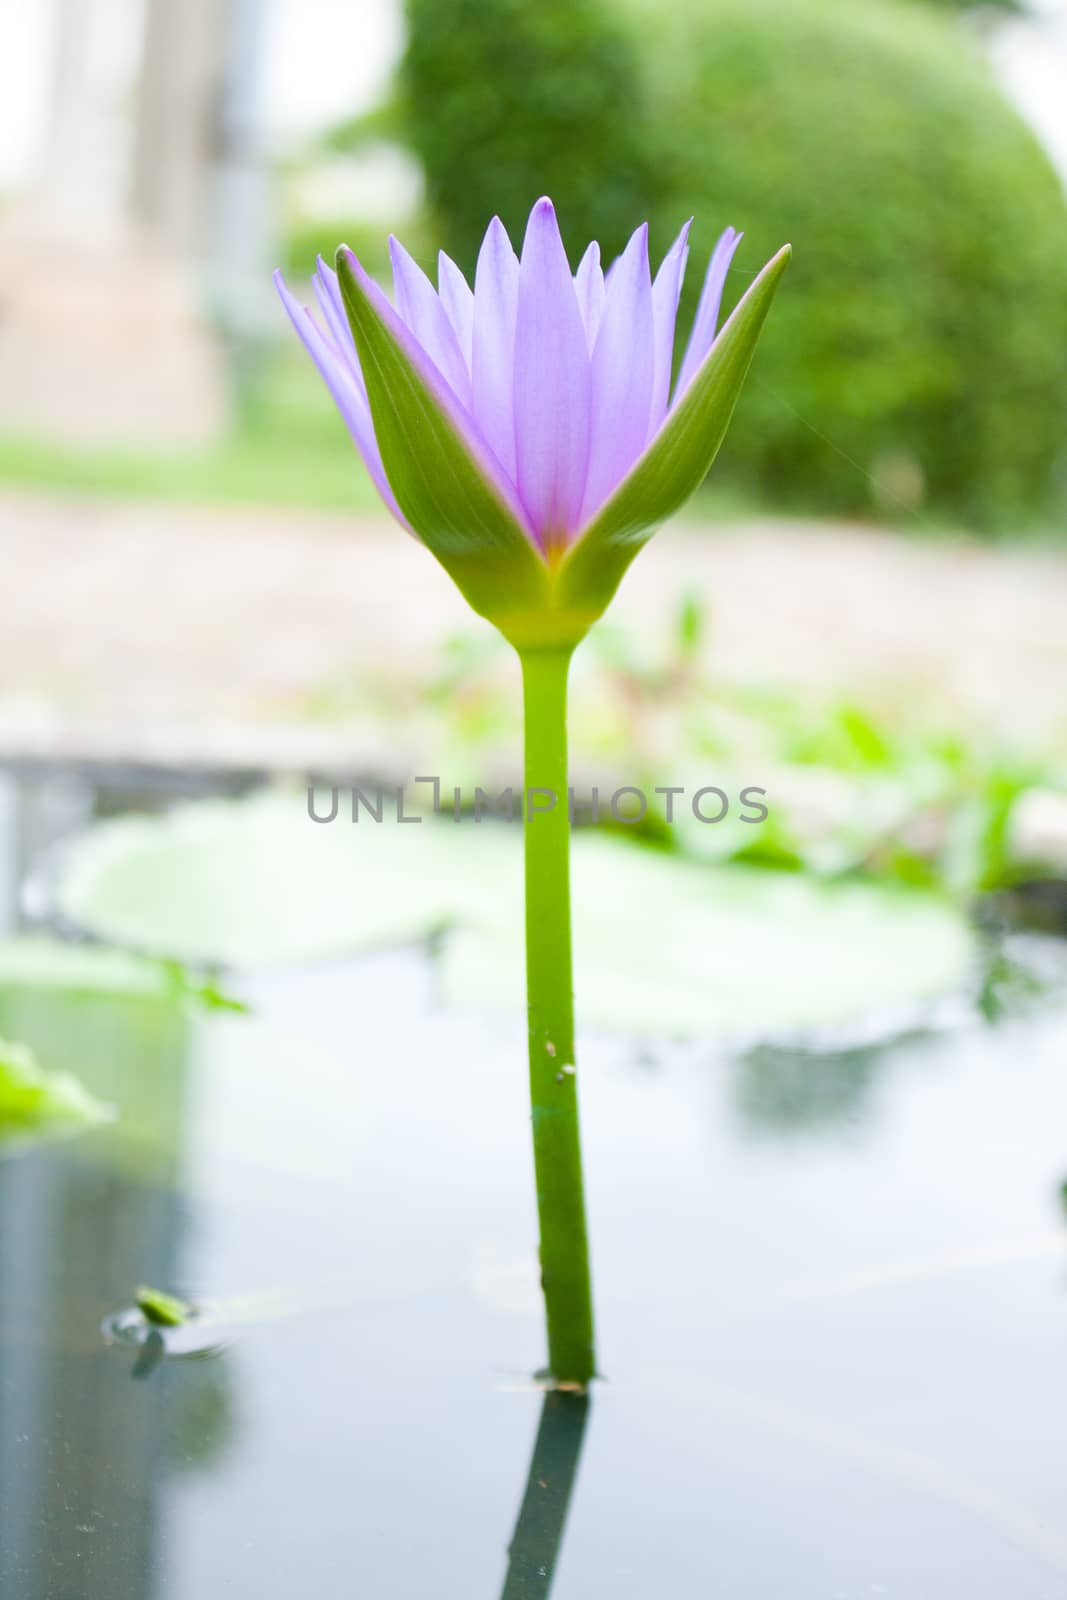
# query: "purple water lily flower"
526,430
527,433
558,382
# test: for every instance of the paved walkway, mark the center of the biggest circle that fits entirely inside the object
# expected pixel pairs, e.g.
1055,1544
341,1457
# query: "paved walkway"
166,633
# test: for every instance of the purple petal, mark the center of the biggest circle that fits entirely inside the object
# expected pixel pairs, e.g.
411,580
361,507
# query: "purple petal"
707,317
443,394
419,306
666,291
622,374
589,285
496,299
337,376
328,294
552,383
458,301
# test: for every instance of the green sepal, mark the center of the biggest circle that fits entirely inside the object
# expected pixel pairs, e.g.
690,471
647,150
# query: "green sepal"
675,463
450,502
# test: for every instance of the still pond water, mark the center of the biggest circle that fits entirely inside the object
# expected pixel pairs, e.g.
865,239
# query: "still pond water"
831,1285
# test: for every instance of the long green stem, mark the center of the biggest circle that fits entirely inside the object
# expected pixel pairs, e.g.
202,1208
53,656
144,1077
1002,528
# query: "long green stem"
550,1006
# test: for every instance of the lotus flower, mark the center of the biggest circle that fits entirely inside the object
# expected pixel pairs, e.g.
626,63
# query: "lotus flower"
526,431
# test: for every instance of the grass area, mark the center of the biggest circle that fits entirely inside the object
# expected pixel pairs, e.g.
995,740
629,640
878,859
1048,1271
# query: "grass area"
249,471
288,447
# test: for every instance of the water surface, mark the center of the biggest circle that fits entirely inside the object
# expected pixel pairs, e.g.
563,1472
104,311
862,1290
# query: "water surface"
831,1287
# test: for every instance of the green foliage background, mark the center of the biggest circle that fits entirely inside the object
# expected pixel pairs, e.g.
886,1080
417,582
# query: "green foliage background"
916,353
513,99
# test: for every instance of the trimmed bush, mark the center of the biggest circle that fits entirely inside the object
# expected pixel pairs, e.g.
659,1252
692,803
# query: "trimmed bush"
507,100
922,331
916,352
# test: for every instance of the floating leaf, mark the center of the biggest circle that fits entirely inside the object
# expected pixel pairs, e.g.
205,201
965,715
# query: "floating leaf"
35,1103
116,1024
43,963
163,1310
40,962
257,883
662,945
666,948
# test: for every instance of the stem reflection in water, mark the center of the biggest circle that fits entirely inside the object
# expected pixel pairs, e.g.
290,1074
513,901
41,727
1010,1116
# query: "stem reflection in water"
535,1544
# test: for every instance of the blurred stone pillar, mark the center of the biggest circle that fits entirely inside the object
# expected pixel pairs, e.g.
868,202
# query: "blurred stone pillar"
177,122
105,337
70,111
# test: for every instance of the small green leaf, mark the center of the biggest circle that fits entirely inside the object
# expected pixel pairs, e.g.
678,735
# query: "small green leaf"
677,460
164,1310
690,626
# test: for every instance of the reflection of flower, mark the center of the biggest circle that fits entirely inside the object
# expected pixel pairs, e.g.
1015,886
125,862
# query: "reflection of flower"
533,414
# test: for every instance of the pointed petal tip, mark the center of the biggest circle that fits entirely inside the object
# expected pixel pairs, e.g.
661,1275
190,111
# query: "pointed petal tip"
293,306
640,238
542,215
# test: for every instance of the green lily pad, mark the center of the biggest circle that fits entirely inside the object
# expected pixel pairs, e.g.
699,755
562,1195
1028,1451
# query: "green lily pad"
38,962
112,1022
139,1037
36,1103
256,883
663,946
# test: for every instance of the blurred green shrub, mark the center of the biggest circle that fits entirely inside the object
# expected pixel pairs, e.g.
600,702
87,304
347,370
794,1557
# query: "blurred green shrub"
507,100
977,6
915,356
308,238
